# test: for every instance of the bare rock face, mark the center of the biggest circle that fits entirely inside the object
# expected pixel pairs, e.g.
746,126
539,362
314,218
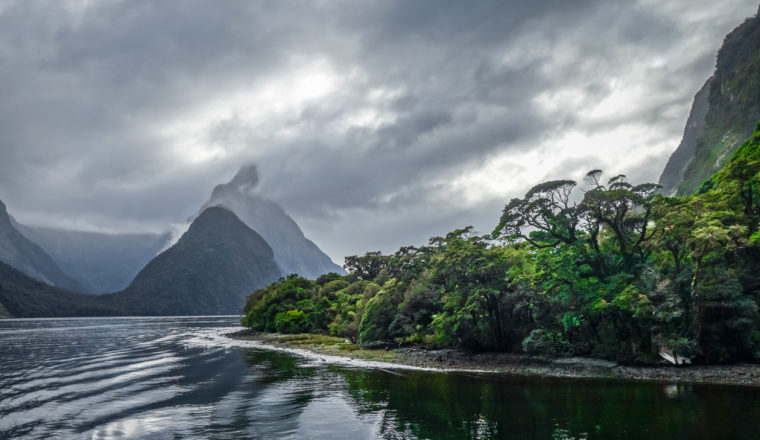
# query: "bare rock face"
293,252
672,176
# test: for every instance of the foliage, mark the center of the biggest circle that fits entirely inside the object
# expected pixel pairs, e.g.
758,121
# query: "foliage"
604,268
543,342
367,266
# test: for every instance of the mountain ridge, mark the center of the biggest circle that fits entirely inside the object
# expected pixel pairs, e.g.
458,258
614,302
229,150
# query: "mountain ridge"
293,252
101,262
210,270
17,251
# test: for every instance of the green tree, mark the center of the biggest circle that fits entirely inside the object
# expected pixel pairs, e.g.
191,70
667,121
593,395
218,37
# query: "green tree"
367,266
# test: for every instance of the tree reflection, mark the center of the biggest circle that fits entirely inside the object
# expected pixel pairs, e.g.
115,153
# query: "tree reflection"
460,406
407,404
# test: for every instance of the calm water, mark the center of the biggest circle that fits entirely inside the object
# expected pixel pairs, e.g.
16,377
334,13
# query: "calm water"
167,378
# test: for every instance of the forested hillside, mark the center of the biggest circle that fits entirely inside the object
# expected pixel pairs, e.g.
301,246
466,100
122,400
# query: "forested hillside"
23,296
620,274
209,271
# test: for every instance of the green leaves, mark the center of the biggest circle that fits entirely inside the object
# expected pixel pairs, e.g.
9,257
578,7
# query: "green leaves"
619,274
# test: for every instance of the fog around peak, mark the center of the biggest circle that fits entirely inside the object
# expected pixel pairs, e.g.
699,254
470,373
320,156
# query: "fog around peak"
247,179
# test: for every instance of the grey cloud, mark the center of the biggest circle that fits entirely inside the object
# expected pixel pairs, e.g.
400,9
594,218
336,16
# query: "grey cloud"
383,168
85,93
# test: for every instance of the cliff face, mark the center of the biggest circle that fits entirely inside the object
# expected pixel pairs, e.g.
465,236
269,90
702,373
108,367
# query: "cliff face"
724,113
293,252
673,174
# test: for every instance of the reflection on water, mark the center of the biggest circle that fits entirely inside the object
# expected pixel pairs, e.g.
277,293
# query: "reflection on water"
152,378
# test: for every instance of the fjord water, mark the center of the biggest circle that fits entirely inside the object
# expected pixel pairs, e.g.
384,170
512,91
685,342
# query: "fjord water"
178,378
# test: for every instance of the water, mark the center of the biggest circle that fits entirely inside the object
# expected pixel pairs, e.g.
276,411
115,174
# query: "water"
173,378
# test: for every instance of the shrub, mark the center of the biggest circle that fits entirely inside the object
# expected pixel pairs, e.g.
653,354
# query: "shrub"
543,342
292,321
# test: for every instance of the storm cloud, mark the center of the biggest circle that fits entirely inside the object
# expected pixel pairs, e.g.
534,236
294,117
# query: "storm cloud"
375,124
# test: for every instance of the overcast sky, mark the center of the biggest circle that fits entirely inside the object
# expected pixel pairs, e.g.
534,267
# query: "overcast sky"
375,124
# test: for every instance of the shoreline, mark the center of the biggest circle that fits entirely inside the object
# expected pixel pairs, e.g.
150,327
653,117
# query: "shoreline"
508,364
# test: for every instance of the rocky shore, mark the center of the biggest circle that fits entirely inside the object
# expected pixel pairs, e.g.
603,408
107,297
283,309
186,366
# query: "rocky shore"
509,364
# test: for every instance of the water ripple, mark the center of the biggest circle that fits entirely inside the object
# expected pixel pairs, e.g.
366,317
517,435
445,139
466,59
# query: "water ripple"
174,378
100,379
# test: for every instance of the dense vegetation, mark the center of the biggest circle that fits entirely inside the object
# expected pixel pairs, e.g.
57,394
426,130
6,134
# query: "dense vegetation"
605,268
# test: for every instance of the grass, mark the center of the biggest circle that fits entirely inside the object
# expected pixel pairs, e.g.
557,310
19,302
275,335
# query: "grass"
330,345
321,343
311,339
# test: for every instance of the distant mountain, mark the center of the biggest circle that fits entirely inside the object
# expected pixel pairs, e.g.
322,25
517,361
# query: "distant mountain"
214,266
724,112
100,262
293,252
21,253
24,297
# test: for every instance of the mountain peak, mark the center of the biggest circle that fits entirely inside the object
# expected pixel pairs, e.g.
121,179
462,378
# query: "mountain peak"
245,182
213,267
246,179
293,252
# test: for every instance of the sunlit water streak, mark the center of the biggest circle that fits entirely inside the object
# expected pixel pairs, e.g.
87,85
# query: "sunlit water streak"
168,378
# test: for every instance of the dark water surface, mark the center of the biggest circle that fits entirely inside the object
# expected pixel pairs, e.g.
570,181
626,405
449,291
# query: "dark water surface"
172,378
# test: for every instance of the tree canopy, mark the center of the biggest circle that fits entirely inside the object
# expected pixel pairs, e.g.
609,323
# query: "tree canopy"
603,268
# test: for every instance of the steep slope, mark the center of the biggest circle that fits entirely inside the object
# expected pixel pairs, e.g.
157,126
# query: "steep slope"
740,177
24,297
732,98
210,270
21,253
673,174
102,263
293,252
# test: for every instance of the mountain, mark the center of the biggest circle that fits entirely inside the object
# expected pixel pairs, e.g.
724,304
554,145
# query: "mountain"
293,252
21,253
724,112
100,262
213,267
24,297
673,174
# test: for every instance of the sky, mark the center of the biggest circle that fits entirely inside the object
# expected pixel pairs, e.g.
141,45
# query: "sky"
375,124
